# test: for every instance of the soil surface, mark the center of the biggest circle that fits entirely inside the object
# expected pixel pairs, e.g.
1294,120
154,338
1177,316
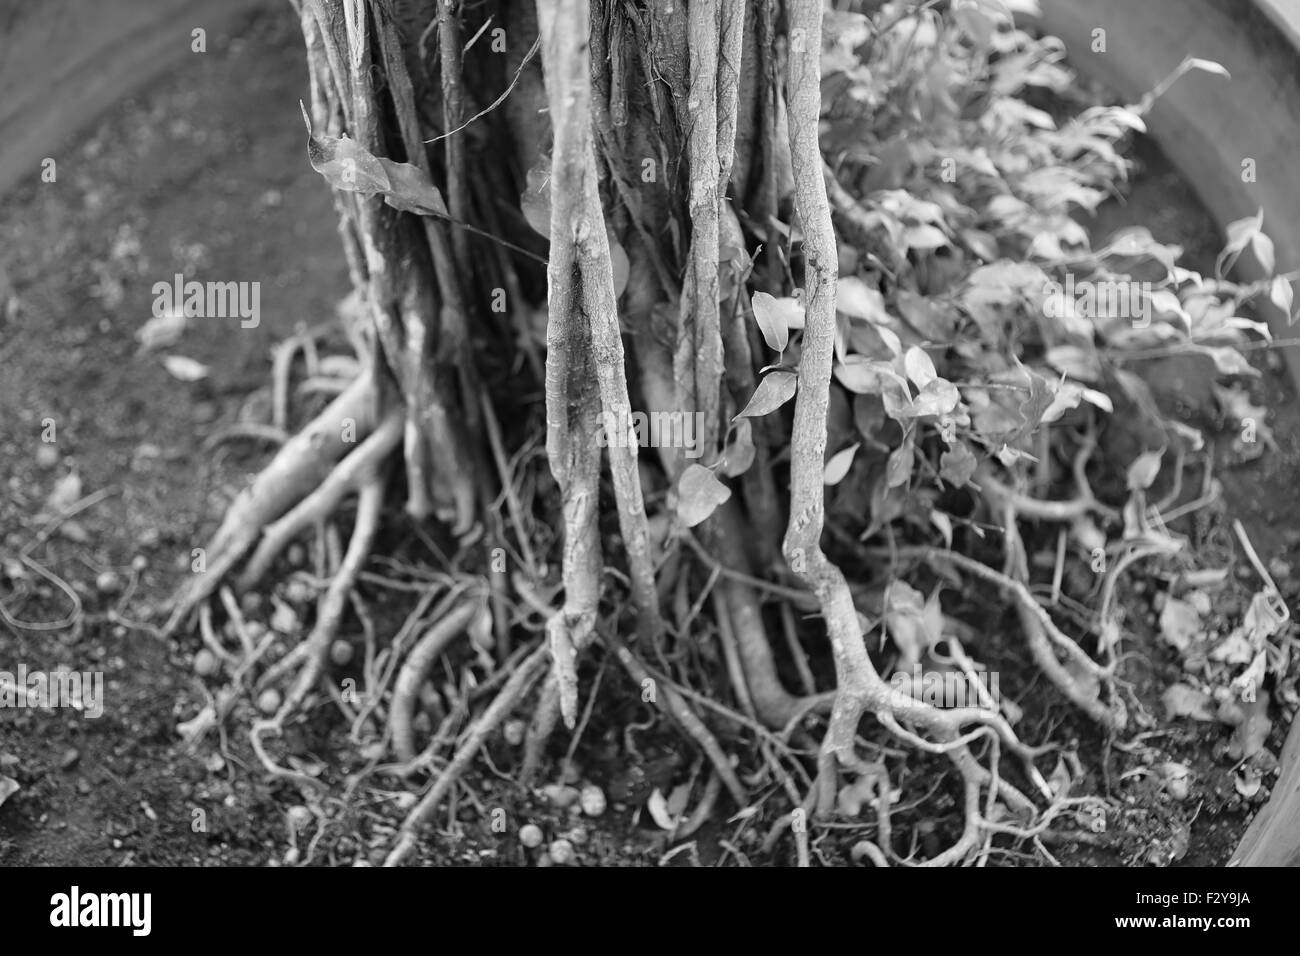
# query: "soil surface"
205,174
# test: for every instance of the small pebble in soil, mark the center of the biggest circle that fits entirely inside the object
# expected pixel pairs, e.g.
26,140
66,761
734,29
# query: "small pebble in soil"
139,563
206,663
299,817
593,800
108,583
515,731
296,555
298,591
70,757
268,702
250,602
561,852
341,653
530,835
560,796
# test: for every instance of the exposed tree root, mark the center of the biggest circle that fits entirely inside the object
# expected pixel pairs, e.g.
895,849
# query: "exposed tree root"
412,272
513,691
299,467
415,670
352,472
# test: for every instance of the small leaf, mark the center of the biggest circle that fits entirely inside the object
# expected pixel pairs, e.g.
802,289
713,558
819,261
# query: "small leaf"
1227,360
981,243
771,321
1009,456
698,494
1179,623
855,298
939,397
860,376
677,799
739,453
1035,406
956,465
776,388
924,237
919,366
8,787
1241,231
185,369
1181,700
1142,473
343,163
899,467
839,465
657,806
941,521
1262,246
412,190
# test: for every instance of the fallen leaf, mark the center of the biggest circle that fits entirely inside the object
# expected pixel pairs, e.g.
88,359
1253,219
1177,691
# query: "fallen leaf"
1180,700
1179,623
1248,737
162,331
185,369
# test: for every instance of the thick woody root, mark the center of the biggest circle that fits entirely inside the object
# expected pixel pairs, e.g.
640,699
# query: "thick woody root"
298,468
329,615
